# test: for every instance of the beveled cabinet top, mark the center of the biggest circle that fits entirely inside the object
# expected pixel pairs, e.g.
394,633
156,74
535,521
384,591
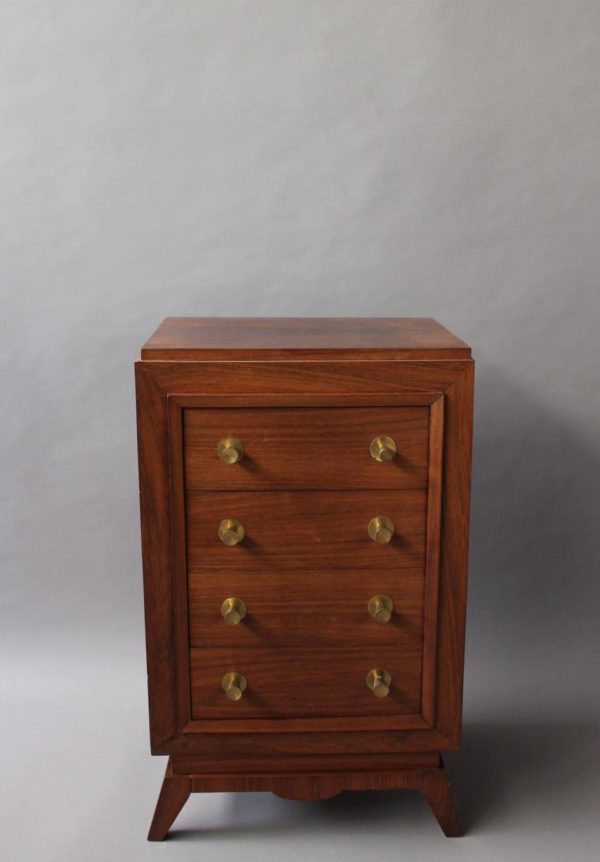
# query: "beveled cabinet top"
209,338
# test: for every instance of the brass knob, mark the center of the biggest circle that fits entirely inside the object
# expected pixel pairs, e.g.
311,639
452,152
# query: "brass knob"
380,608
230,450
233,611
379,681
381,529
234,685
231,532
383,449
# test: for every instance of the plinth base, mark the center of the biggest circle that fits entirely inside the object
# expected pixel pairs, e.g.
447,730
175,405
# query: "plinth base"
432,781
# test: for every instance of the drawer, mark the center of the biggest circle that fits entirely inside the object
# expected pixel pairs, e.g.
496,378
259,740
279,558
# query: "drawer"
305,682
306,447
308,531
316,607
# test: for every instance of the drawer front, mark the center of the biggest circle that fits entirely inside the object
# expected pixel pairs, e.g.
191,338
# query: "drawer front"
306,447
305,682
309,531
315,608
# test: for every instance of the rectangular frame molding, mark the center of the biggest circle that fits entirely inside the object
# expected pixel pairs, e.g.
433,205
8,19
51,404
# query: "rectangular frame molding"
426,719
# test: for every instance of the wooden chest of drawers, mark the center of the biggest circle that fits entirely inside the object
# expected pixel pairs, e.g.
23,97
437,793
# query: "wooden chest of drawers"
305,508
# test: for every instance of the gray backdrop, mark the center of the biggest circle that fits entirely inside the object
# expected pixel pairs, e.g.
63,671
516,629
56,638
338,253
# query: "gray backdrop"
273,157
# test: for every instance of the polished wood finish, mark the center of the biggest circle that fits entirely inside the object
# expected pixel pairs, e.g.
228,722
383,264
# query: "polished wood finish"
309,448
321,607
297,532
307,724
432,558
303,742
303,681
202,338
174,793
435,787
425,773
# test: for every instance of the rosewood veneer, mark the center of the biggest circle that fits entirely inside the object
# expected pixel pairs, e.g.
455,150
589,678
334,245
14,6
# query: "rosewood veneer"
304,492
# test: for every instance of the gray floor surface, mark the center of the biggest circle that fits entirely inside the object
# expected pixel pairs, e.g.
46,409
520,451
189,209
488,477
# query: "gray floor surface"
79,783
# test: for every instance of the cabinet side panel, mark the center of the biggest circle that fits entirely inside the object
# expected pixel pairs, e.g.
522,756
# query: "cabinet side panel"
456,491
432,559
156,544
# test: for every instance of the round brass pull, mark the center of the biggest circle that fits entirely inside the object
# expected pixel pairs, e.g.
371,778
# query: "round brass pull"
383,449
381,529
234,685
381,608
230,450
233,611
231,532
379,681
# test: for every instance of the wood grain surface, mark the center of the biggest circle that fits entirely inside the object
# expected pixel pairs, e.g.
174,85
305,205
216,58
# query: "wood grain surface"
424,772
305,531
305,681
322,607
195,338
306,448
163,525
294,365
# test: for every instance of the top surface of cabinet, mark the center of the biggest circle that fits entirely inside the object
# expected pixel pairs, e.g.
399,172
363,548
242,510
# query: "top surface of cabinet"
201,338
